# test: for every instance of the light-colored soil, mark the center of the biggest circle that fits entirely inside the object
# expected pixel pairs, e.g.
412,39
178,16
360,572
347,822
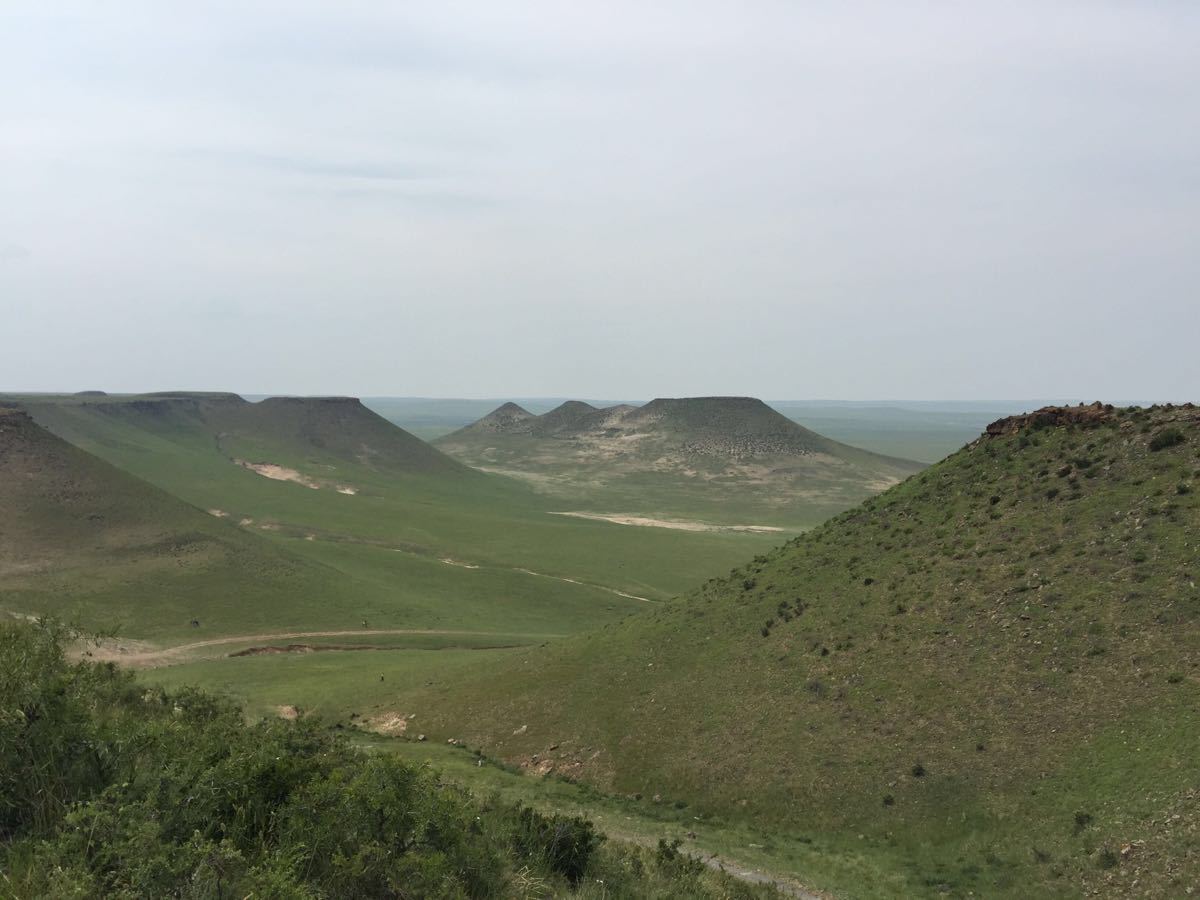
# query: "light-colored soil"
679,524
461,565
143,655
390,724
278,473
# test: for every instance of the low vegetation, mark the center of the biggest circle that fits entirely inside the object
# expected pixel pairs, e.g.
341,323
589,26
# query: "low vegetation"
939,679
110,789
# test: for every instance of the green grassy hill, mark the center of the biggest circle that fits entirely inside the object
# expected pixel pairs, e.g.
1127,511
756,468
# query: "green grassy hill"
983,681
81,538
326,432
418,540
719,460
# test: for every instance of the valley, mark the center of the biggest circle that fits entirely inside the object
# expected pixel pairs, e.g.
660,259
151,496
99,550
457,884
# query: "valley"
314,561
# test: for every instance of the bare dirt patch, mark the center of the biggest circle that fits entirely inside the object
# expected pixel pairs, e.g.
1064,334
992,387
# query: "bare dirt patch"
279,473
678,524
269,649
390,724
144,655
461,565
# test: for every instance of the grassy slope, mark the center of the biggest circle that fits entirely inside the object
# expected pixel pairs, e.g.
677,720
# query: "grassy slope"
952,671
724,460
82,538
394,533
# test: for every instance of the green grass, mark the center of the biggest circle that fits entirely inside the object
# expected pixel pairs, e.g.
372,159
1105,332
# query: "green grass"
463,515
332,684
345,689
946,671
109,788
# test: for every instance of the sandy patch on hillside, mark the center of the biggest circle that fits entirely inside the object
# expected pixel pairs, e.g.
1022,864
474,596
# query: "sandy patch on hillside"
678,524
279,473
391,724
461,565
219,513
346,489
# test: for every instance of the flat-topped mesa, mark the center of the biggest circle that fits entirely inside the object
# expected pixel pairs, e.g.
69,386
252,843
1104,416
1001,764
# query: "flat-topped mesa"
735,426
206,396
319,431
331,428
290,400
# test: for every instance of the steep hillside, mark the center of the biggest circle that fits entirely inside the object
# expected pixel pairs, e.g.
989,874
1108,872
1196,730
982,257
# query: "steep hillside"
80,537
296,431
984,680
705,457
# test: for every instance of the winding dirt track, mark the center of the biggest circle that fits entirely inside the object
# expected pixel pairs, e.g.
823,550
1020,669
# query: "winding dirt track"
147,658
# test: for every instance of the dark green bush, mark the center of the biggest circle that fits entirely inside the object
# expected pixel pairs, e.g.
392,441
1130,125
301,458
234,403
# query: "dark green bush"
561,844
677,864
1168,437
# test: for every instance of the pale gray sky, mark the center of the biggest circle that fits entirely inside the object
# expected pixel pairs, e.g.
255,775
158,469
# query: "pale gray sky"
819,199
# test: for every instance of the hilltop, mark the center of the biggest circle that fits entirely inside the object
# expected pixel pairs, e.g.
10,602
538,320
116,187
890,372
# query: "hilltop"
983,680
707,457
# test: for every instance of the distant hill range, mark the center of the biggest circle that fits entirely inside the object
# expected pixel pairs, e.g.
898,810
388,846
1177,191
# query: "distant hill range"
706,455
299,432
82,538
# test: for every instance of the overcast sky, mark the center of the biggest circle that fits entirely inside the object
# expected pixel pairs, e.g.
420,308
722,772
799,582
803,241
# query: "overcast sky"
788,199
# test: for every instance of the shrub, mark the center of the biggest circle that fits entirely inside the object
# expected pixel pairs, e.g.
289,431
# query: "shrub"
110,789
1168,437
675,863
562,844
